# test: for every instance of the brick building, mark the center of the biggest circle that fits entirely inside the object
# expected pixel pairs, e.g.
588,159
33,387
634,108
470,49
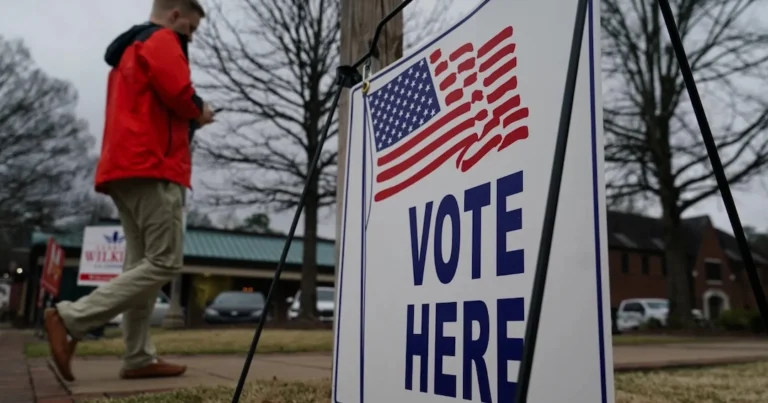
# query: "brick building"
638,270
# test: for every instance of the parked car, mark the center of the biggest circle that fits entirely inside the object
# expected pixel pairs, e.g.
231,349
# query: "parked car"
326,304
5,300
235,307
637,312
162,303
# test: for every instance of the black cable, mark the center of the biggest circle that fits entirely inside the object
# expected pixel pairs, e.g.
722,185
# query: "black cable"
553,196
714,159
347,77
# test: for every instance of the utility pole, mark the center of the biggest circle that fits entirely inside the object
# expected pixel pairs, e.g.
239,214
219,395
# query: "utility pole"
358,24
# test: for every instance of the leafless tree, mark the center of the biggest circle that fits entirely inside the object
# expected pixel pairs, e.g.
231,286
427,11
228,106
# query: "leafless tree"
654,151
44,147
269,67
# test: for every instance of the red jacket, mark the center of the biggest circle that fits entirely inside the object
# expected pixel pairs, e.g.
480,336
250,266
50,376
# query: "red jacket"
151,105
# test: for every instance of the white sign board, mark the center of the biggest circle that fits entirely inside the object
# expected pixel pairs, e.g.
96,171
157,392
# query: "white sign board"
450,155
101,258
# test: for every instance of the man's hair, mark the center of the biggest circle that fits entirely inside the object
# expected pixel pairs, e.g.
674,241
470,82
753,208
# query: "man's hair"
160,6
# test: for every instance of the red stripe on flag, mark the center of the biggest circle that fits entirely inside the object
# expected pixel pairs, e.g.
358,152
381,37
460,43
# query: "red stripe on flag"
489,145
410,181
510,85
477,96
495,41
506,106
461,51
492,124
435,56
414,159
521,133
516,116
471,79
491,61
441,68
454,96
449,81
466,65
498,73
424,134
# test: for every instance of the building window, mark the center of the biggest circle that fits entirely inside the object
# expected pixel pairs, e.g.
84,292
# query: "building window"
713,271
625,263
645,265
664,266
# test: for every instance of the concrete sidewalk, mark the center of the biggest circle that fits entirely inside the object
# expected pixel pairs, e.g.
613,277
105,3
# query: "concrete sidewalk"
98,377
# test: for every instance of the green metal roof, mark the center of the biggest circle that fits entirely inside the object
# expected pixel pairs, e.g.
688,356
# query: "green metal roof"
218,244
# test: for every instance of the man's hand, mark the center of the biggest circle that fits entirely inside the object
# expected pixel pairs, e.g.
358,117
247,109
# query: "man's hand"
206,117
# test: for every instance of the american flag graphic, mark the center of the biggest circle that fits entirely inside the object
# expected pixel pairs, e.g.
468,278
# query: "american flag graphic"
425,116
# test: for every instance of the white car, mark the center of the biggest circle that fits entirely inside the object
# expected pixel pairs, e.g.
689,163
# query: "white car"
634,313
326,304
158,314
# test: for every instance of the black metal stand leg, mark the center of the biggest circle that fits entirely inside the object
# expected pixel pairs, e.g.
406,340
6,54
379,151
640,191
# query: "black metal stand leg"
347,77
553,196
714,158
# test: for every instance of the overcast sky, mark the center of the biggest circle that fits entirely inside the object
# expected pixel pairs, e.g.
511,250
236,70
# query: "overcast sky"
67,38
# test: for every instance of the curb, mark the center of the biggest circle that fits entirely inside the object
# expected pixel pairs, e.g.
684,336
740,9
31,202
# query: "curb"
684,364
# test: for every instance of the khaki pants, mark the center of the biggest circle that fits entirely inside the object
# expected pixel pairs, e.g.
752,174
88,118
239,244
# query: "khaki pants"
151,216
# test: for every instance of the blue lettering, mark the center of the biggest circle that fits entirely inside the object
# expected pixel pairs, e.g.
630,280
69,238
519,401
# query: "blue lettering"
445,346
508,348
446,269
474,200
417,345
474,350
508,262
419,254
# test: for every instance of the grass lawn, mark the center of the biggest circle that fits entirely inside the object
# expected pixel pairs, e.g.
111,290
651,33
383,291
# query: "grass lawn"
631,339
237,341
208,341
738,383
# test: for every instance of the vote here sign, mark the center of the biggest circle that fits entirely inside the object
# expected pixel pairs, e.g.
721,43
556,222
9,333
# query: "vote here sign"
450,155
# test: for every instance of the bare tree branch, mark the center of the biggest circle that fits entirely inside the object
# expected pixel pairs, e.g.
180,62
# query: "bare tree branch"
654,149
44,147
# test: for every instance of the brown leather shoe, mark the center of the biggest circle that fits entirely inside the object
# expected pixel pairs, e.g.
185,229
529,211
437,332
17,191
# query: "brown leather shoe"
159,369
61,349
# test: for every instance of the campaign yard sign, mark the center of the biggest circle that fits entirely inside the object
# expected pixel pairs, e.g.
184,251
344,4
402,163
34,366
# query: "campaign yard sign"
450,155
102,256
53,265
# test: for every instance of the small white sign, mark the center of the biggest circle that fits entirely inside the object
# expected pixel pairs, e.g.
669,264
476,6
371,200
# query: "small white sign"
102,255
450,156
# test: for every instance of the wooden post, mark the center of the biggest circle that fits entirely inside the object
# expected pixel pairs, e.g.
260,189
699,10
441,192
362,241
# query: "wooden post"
358,24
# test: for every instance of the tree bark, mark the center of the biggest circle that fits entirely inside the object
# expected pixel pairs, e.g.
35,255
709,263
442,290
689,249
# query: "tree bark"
358,24
308,303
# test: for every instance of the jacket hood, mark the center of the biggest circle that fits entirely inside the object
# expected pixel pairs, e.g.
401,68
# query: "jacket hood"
118,46
139,32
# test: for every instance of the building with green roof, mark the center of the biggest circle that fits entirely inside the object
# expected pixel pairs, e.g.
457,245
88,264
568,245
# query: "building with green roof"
214,260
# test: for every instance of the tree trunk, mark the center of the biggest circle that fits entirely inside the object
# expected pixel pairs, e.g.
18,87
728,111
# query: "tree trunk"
358,24
679,278
308,301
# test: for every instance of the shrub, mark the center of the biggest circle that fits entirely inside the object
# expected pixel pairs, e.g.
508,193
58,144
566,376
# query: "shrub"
756,323
734,320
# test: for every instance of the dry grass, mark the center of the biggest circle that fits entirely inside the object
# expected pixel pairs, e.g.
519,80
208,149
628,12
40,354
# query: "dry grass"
733,384
636,339
209,341
236,341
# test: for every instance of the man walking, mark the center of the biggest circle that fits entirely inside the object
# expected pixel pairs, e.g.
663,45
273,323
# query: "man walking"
152,110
